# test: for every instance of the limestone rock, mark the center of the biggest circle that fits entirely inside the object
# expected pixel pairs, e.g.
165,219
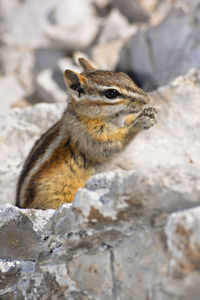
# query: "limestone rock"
10,92
115,32
67,63
18,61
152,55
182,233
29,22
107,55
116,26
157,9
132,10
21,232
46,58
74,257
47,88
68,30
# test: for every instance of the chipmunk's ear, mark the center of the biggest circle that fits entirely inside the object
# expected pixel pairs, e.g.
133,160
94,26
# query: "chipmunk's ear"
73,81
86,65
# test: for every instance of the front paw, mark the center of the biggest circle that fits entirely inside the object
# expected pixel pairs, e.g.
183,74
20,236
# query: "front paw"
147,118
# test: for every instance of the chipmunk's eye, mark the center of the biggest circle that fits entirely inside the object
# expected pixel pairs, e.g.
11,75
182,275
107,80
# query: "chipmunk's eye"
111,93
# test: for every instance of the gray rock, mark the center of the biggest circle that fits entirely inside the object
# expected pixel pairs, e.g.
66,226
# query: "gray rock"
115,32
68,30
67,63
182,233
46,58
122,258
102,4
165,51
18,62
29,28
116,26
132,10
107,55
22,30
10,92
47,88
20,239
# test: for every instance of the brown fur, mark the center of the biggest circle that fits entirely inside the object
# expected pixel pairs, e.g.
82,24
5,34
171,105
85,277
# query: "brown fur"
91,130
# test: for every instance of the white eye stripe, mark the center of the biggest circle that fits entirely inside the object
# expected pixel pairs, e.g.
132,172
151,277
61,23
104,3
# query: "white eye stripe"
95,98
121,90
103,98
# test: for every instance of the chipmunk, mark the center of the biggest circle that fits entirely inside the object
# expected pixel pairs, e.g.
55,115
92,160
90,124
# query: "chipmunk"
101,119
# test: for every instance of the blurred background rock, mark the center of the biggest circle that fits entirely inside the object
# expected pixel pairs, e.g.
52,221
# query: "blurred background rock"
39,39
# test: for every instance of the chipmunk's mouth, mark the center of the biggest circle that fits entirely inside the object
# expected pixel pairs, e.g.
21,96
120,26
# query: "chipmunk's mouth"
134,109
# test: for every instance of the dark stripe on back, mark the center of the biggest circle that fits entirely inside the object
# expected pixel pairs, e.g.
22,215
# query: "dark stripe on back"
34,155
31,188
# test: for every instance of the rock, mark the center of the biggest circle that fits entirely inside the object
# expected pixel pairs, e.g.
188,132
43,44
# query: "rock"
153,56
131,10
18,62
29,22
10,92
19,129
25,49
156,9
21,232
46,58
18,42
116,26
182,233
115,32
47,88
67,29
21,104
67,63
187,5
107,55
72,257
102,4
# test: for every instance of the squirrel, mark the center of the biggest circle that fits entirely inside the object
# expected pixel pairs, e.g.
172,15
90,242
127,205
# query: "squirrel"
105,112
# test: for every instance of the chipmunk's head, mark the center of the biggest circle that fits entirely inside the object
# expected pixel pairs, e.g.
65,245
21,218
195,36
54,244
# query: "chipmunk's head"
96,93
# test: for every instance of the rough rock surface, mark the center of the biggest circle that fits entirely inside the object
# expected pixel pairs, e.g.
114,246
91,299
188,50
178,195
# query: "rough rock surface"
67,19
132,10
103,246
10,83
167,50
114,34
48,89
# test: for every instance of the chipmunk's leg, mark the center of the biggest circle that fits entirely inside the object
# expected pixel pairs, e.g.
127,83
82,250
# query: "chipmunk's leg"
145,120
